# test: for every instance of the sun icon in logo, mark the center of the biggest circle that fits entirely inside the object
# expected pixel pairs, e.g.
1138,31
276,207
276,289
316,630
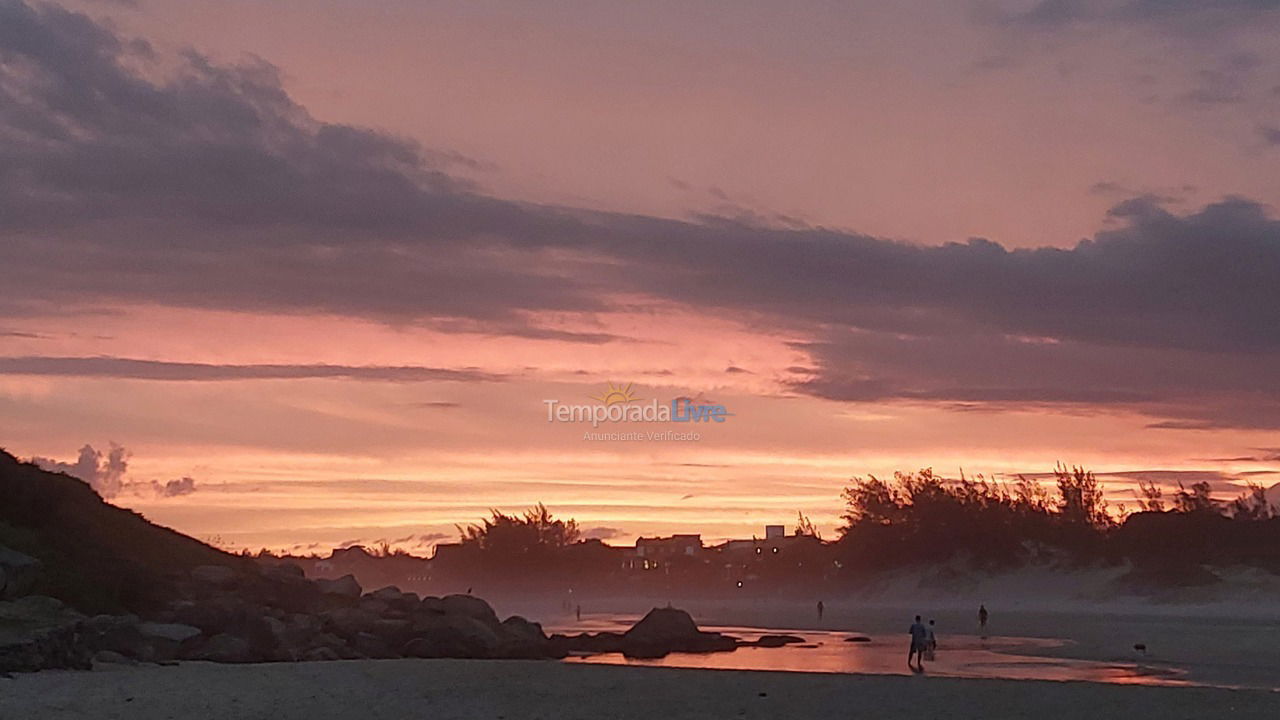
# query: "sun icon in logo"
616,394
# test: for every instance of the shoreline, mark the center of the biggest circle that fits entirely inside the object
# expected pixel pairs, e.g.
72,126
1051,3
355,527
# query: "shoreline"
1209,651
508,689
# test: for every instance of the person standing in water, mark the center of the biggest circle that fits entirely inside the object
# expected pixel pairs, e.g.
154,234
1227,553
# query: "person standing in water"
919,638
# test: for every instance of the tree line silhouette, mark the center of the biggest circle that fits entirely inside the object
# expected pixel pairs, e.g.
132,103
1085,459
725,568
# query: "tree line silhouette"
909,520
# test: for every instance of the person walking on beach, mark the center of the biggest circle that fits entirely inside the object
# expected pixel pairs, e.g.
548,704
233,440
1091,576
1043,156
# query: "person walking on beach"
982,618
930,642
821,608
919,639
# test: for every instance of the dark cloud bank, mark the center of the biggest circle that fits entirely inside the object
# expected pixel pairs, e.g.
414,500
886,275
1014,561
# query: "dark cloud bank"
131,178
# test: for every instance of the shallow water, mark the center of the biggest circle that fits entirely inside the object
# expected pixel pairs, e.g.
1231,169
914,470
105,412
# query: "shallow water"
825,651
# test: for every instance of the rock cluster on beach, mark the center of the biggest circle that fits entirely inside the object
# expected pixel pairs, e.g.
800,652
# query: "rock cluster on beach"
275,614
226,615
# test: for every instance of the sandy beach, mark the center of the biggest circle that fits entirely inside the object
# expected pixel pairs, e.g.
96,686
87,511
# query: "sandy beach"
369,690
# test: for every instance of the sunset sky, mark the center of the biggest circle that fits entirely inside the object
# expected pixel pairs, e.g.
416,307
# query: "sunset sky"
327,258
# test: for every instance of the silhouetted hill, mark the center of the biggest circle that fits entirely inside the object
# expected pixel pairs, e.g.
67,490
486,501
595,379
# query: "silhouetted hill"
97,557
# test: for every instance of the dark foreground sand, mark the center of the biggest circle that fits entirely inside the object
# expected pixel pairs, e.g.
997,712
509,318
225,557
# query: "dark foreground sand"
438,689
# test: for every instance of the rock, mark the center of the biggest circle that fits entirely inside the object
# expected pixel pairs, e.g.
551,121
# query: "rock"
451,636
374,605
278,628
774,641
394,629
43,605
293,636
470,606
585,644
284,572
392,598
223,649
172,632
372,646
522,639
663,625
111,657
350,621
858,639
105,624
150,641
213,616
116,633
332,642
18,573
431,605
345,586
38,633
217,575
388,593
667,630
320,654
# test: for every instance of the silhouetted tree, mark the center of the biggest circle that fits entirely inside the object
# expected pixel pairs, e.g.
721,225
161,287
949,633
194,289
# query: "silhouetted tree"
1150,496
871,501
1080,500
528,539
1195,500
804,527
1253,504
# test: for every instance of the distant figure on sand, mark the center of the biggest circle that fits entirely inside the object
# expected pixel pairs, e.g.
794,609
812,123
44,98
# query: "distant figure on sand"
578,612
930,642
982,618
919,641
821,607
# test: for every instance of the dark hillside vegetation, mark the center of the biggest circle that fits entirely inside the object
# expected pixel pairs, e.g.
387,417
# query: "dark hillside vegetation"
96,557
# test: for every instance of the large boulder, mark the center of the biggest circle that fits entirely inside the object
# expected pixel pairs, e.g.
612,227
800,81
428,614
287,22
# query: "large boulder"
348,622
520,638
667,630
112,632
38,633
18,573
333,645
431,605
345,586
226,615
372,646
390,598
451,636
470,606
160,641
284,586
664,625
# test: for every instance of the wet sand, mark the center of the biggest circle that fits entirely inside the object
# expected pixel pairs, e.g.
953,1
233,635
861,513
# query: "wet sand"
510,690
1000,658
1232,646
